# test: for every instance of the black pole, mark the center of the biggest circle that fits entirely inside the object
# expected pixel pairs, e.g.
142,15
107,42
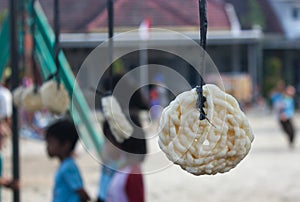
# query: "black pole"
14,62
23,33
110,9
56,42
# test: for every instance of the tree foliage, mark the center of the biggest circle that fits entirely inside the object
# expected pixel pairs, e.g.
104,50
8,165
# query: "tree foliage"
254,16
272,74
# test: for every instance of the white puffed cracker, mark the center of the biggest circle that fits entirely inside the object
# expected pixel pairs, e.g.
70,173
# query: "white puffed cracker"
17,96
55,98
31,99
118,123
201,147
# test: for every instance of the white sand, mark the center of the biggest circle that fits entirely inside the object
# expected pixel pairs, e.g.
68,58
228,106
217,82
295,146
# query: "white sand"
270,173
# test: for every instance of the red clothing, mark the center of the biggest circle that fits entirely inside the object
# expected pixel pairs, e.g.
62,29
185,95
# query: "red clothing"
134,186
127,185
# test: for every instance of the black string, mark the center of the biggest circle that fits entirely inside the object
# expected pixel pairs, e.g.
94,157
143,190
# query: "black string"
100,92
203,23
56,42
34,66
203,31
110,8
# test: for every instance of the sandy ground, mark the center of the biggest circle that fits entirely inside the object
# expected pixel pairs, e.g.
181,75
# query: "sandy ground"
270,173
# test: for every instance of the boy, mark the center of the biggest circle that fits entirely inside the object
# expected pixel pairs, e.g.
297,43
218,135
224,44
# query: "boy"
61,138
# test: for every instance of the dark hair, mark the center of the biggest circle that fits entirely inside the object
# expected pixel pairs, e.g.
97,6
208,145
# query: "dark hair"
64,131
7,82
135,145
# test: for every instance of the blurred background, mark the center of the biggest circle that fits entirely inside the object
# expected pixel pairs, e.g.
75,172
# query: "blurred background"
253,43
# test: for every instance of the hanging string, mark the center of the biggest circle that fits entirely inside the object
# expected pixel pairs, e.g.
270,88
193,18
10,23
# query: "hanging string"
56,42
107,90
203,23
34,66
110,8
203,31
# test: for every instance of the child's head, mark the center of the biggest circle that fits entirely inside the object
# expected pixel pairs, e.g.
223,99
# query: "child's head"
61,138
135,146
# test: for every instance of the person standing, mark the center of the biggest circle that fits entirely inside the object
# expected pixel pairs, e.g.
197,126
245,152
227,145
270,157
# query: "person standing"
127,183
286,113
127,155
5,130
5,113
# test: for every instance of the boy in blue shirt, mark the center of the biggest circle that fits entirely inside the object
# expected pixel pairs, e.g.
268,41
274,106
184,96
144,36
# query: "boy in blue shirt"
61,138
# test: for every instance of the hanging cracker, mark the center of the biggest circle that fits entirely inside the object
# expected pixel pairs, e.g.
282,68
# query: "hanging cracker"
31,99
118,123
55,98
17,96
209,146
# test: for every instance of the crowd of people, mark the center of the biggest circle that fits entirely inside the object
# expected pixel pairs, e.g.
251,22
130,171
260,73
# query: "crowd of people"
121,173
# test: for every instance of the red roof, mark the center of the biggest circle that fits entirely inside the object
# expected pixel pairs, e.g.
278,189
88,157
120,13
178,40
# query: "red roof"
163,13
74,14
90,15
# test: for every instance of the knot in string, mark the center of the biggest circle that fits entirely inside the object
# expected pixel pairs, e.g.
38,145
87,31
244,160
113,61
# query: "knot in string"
200,101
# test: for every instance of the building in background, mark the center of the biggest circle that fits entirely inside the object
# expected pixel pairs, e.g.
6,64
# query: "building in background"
247,37
280,23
